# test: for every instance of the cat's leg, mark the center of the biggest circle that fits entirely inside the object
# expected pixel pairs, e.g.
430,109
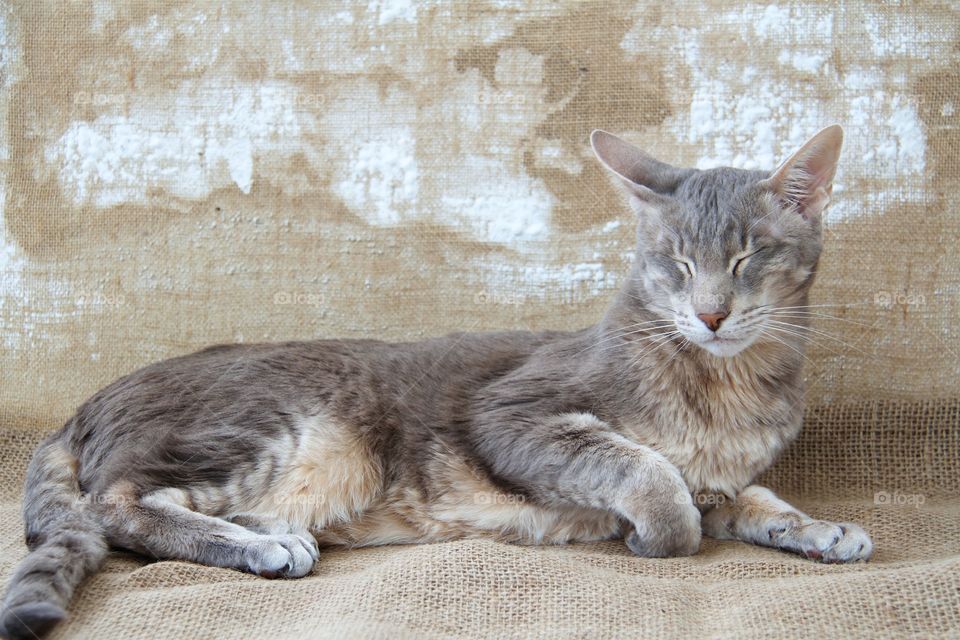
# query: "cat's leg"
268,525
760,517
160,524
575,458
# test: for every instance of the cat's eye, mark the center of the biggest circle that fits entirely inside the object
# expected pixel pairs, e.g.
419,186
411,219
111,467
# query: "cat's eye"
685,266
741,262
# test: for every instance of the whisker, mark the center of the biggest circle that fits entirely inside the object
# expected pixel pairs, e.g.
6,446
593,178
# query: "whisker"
805,337
819,333
786,344
813,314
683,345
817,306
639,340
663,340
623,334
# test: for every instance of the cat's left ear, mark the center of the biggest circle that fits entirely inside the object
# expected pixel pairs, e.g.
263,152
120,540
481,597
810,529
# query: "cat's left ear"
804,181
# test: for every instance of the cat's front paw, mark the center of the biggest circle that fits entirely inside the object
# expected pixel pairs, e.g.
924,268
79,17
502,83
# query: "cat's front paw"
824,541
666,526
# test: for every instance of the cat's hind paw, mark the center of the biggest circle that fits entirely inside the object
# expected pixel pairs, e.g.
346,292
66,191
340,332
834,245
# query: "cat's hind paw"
281,556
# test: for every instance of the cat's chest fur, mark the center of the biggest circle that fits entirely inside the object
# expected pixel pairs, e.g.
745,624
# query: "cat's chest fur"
720,427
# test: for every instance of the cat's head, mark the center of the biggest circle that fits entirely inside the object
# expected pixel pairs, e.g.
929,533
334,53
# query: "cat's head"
722,251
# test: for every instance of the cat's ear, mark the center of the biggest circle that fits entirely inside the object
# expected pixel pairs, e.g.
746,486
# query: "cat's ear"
804,181
636,167
647,179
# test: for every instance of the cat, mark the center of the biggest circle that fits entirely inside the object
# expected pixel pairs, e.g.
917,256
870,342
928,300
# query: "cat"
648,426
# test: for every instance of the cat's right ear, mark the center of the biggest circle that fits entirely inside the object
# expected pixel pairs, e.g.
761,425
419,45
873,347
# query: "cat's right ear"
648,181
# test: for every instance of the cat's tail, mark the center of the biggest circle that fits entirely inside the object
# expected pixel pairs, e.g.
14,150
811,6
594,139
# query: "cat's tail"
66,544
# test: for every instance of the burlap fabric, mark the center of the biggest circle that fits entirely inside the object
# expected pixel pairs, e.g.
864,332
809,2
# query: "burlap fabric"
181,175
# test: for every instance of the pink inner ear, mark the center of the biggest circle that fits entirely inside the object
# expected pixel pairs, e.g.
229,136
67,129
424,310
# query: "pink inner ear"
805,182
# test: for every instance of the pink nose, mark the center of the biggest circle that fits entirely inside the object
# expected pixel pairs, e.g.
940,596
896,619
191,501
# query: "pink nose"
712,320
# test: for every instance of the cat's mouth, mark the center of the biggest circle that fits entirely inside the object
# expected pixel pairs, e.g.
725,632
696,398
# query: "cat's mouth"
724,347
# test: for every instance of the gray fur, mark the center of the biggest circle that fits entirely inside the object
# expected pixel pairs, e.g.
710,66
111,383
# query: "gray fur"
169,460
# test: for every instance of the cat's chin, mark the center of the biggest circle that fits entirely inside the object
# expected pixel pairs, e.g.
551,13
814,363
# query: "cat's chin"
724,347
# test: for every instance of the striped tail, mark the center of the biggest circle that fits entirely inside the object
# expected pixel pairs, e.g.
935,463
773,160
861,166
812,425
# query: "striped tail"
65,541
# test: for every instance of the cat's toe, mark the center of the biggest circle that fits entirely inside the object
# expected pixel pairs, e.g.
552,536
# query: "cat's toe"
676,532
816,538
281,556
309,543
829,542
854,545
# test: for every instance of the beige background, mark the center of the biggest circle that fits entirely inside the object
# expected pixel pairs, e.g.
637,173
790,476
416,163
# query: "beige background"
175,175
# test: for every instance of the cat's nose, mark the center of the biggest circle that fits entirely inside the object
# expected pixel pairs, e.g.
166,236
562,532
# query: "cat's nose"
712,320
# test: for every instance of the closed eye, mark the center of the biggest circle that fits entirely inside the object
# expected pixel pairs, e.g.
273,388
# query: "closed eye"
741,262
685,266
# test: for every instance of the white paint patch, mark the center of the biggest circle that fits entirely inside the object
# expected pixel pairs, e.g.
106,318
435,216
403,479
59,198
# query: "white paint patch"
392,10
33,304
504,209
911,142
239,152
149,35
806,62
551,154
11,262
103,14
484,186
383,181
773,21
748,126
186,143
753,117
576,283
903,34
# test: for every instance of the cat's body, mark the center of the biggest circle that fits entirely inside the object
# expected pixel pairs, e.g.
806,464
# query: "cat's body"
244,456
393,428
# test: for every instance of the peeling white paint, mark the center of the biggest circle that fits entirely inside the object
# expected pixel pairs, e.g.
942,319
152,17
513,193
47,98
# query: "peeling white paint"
382,182
577,282
388,11
806,62
517,209
187,143
754,117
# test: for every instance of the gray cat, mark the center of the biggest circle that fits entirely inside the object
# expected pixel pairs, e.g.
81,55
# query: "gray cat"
648,426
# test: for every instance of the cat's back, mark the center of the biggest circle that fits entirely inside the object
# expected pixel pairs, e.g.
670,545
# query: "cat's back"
241,383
